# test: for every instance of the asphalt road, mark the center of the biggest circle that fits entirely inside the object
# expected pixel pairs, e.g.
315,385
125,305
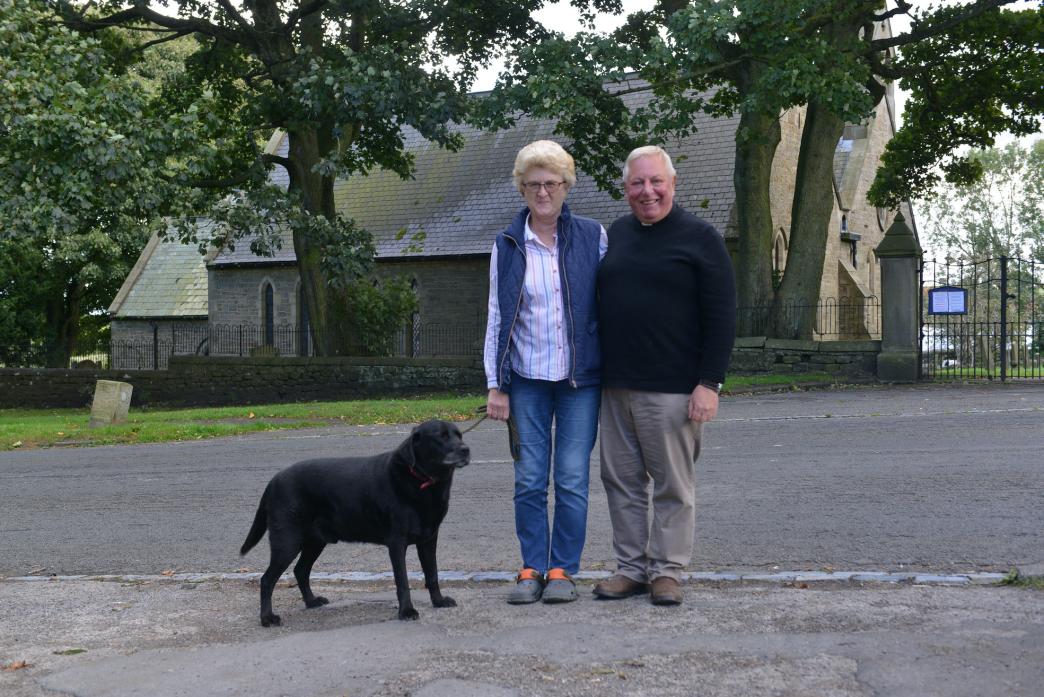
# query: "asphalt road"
734,640
936,478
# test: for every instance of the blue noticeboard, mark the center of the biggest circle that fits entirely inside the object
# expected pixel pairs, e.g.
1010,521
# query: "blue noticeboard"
948,300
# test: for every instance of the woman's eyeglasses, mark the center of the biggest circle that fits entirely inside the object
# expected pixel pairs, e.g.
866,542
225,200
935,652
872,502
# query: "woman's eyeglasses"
534,187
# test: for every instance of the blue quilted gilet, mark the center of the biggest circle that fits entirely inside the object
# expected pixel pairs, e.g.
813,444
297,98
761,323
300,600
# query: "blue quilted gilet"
578,239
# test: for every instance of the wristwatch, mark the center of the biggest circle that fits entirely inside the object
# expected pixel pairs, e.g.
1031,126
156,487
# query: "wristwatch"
710,384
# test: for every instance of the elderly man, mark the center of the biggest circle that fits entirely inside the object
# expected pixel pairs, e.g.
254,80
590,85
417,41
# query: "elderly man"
667,311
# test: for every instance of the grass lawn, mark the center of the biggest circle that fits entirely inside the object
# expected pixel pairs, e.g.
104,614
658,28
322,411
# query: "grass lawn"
28,428
34,428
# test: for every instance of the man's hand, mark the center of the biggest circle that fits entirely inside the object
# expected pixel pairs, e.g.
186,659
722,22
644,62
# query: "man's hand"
703,405
498,405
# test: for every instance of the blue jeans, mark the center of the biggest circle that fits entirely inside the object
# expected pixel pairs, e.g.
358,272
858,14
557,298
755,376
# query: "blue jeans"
574,411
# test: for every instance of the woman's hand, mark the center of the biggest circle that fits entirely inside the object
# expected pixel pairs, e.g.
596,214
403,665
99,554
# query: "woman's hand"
498,405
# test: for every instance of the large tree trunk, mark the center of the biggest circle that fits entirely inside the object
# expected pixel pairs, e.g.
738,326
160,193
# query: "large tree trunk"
794,309
63,324
752,179
327,310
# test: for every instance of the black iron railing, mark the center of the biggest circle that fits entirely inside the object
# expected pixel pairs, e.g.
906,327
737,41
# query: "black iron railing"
832,319
242,340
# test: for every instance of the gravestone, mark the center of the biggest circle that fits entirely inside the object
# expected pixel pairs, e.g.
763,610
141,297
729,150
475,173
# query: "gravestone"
111,403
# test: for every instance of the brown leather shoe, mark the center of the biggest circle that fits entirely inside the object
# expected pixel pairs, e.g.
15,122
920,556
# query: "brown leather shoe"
666,591
619,586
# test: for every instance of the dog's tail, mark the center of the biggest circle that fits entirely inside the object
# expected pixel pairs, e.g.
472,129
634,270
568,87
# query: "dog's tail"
257,530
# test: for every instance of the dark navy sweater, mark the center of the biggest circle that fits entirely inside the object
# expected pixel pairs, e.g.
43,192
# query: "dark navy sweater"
667,304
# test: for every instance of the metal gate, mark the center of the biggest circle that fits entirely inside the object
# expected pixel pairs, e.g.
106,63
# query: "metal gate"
982,319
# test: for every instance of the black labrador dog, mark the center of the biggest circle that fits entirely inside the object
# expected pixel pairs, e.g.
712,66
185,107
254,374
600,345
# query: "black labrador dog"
396,499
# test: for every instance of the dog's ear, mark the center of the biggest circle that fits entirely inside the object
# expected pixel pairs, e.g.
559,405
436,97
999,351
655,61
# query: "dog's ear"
405,451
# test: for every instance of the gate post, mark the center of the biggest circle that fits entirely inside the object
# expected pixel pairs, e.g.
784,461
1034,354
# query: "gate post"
1003,318
899,256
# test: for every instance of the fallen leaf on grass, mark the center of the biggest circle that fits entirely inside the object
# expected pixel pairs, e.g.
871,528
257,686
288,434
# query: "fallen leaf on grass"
251,416
16,444
69,652
17,665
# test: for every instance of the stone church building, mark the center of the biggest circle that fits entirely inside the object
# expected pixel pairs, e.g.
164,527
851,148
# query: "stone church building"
460,201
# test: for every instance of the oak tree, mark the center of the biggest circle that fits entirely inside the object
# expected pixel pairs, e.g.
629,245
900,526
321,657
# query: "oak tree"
342,78
757,59
83,176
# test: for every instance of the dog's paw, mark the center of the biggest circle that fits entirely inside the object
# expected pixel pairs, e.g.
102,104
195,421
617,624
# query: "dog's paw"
270,620
317,601
408,613
446,601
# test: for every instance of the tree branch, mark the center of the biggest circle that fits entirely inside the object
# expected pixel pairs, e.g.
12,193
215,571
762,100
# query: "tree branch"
932,30
231,11
76,19
875,88
888,72
273,159
902,8
302,11
171,36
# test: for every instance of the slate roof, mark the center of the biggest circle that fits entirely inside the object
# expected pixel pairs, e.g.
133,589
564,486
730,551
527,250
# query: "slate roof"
168,280
462,200
242,256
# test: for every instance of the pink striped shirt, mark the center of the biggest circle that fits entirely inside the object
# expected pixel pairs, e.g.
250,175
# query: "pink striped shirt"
539,345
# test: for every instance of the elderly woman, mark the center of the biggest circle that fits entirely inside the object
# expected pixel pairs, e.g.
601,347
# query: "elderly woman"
543,362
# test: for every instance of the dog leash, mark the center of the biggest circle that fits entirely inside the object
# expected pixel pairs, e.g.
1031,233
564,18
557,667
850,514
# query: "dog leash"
480,410
513,444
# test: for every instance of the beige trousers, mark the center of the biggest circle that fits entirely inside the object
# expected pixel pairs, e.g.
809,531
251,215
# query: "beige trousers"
647,436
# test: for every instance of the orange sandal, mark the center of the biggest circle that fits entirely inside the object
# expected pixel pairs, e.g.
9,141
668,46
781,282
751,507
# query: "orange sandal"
529,586
560,587
528,574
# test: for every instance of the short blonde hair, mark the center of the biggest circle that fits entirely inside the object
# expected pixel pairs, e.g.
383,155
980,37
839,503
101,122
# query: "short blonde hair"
648,151
547,154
